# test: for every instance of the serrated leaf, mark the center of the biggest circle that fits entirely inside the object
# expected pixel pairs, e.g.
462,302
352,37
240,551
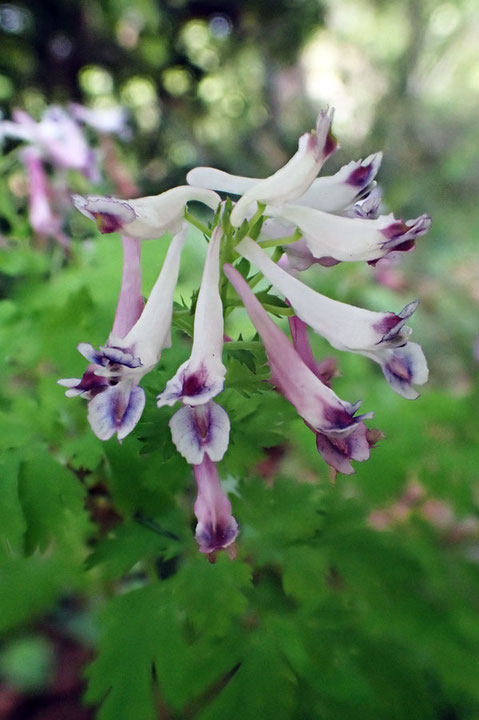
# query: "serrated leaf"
51,498
121,678
12,521
129,544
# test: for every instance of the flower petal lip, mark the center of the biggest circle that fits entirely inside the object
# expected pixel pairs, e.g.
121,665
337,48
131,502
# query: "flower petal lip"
331,193
144,218
399,232
403,367
339,451
294,178
110,213
116,410
317,404
200,430
349,239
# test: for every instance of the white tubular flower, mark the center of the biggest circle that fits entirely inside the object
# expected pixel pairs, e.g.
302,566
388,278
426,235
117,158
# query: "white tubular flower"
144,218
294,178
333,193
202,376
347,239
110,383
350,328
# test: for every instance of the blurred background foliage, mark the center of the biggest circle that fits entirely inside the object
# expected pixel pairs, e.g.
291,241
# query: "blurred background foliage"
348,600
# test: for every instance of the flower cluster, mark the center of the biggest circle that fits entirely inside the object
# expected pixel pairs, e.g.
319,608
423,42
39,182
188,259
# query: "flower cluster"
307,220
58,141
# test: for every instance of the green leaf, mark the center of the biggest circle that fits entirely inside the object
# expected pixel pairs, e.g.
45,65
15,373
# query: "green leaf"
121,678
52,500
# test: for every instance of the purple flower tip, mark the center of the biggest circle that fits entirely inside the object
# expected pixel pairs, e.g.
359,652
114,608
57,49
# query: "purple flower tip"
211,538
391,324
405,231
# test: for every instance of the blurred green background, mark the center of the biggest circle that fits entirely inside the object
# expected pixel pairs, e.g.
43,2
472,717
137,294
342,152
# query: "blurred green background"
233,84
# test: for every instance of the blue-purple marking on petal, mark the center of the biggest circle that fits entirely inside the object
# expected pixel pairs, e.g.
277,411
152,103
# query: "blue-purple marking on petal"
211,539
361,175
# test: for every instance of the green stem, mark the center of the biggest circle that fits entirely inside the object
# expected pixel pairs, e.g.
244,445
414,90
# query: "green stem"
282,241
240,345
197,223
287,312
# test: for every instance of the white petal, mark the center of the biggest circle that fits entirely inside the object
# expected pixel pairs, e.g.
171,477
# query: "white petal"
196,431
294,178
211,178
116,410
335,192
330,193
342,238
346,327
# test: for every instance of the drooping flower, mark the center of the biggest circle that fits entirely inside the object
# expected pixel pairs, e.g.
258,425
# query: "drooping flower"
110,383
202,376
217,529
200,430
336,451
382,337
144,218
333,193
294,178
322,410
42,218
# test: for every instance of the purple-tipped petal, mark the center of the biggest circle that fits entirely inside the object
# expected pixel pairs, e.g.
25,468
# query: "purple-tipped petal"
89,385
200,430
294,178
193,387
332,193
352,182
144,218
367,209
350,239
339,451
116,410
92,355
119,356
346,327
400,235
404,367
216,528
391,324
317,404
110,214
